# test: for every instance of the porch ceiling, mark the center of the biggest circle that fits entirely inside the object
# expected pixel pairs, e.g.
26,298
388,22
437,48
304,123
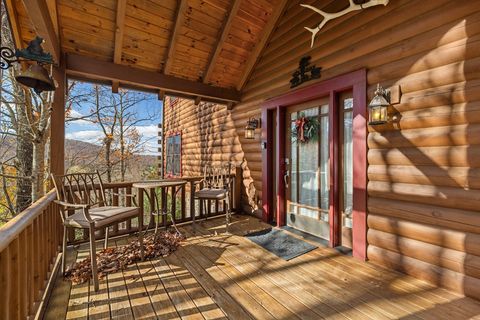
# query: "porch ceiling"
209,42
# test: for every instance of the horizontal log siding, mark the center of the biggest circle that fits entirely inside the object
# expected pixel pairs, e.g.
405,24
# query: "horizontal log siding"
424,178
211,135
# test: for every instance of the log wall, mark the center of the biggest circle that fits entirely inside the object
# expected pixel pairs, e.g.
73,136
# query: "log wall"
424,178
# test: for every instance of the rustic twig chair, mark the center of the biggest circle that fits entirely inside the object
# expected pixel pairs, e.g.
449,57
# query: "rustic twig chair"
83,204
215,184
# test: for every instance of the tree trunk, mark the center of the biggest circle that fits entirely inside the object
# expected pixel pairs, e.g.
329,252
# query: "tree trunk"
38,170
24,166
108,146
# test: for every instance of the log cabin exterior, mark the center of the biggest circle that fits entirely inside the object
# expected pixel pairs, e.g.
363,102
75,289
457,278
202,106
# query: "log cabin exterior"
419,172
216,64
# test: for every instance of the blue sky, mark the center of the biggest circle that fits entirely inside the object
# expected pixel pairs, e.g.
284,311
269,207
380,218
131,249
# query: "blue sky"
83,130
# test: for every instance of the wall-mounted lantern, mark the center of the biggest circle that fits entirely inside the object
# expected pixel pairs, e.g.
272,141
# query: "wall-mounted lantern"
378,107
36,76
252,124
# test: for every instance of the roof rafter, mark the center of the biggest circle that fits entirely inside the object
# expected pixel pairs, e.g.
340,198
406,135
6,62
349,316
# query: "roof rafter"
179,19
40,16
257,50
226,26
14,24
97,70
119,30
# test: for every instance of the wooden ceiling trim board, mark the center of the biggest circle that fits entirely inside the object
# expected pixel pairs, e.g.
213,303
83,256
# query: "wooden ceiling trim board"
179,20
226,26
81,66
267,32
14,24
119,31
42,22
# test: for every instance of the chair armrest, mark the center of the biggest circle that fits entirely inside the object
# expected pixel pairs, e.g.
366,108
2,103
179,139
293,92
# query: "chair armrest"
84,208
72,205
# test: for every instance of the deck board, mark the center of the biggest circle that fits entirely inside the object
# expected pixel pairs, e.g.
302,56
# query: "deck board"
217,276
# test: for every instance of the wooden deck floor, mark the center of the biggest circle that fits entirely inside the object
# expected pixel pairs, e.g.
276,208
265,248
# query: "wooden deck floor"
217,276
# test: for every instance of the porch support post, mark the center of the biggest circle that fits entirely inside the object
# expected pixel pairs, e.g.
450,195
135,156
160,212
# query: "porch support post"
57,136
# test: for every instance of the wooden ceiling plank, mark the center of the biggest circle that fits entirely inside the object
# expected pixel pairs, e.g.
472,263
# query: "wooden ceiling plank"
221,39
14,23
43,25
179,20
267,31
119,31
86,67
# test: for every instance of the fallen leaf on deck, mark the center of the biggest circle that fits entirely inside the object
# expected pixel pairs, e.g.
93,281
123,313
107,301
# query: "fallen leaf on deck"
113,259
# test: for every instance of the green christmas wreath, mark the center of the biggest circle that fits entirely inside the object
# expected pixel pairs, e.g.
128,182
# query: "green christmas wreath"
306,129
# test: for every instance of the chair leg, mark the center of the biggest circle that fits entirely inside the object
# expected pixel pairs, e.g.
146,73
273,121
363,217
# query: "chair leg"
140,240
227,215
64,249
105,245
93,257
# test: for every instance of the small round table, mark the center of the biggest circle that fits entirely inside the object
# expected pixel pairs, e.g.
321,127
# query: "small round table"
153,197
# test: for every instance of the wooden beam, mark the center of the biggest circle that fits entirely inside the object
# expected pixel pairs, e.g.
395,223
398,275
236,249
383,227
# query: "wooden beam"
115,86
119,30
257,50
42,22
179,19
226,25
90,68
14,25
161,95
57,137
198,100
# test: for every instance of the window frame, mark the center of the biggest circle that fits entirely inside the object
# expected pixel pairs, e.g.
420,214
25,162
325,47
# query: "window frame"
172,173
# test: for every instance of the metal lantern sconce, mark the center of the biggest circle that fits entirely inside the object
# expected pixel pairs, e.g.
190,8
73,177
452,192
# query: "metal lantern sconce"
36,76
378,107
252,124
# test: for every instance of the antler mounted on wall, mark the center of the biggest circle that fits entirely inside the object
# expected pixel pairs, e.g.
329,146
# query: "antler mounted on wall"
330,16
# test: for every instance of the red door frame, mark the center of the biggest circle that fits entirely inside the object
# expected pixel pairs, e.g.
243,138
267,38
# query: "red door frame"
357,82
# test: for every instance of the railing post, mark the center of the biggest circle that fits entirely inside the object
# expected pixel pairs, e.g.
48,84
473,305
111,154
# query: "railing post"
192,199
237,191
140,205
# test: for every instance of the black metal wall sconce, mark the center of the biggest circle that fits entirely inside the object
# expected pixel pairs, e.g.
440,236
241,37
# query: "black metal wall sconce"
252,124
378,108
36,76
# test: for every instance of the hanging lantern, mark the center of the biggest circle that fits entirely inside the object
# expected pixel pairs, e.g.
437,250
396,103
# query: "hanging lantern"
37,78
378,107
252,124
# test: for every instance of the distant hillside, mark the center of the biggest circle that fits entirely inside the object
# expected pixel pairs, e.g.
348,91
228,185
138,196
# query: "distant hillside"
81,156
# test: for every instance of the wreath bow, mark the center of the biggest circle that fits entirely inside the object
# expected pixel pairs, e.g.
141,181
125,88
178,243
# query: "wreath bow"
306,129
300,126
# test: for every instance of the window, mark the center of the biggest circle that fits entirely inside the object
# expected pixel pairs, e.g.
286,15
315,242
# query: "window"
173,164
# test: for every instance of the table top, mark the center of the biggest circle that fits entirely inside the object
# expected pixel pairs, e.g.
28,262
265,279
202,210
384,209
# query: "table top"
150,184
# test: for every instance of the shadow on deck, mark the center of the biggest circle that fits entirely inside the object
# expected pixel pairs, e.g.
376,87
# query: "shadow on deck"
215,276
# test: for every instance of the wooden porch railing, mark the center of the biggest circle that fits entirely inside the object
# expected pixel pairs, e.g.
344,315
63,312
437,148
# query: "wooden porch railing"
30,243
29,246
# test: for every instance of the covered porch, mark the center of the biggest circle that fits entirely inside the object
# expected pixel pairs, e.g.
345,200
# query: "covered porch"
206,52
218,276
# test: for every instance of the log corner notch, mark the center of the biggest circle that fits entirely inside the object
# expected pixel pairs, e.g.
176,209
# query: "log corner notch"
91,69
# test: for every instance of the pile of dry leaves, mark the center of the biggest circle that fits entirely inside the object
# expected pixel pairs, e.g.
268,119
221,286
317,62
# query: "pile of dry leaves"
118,258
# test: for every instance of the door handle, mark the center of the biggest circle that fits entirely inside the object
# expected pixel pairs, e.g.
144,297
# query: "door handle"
286,175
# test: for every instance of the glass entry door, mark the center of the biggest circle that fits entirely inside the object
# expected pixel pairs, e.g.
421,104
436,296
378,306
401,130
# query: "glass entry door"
307,168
